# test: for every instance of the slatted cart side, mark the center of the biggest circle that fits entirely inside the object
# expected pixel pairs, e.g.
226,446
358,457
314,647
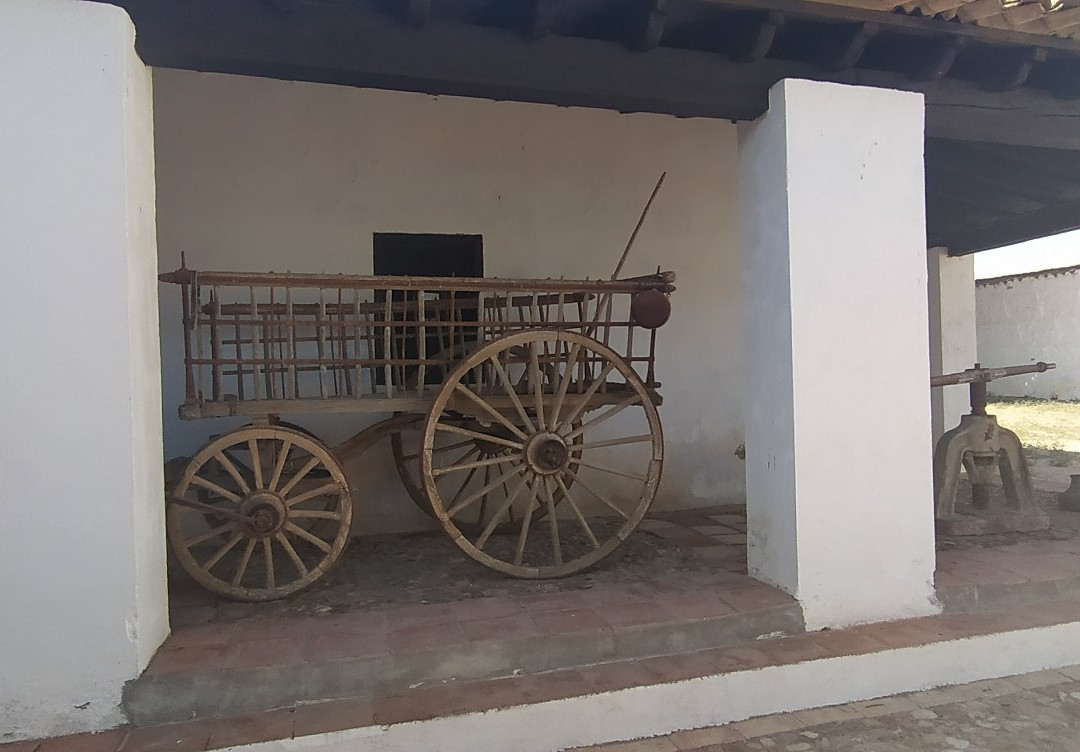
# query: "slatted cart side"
256,343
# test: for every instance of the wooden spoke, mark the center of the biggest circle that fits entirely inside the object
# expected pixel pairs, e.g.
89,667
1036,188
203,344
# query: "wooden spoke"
324,490
523,534
621,473
300,566
439,450
512,393
601,497
268,556
462,487
213,560
230,468
506,494
586,396
577,512
450,428
494,521
283,455
538,386
467,501
314,540
564,383
209,485
645,437
611,412
483,501
300,475
497,459
553,523
242,568
256,462
209,534
491,411
314,514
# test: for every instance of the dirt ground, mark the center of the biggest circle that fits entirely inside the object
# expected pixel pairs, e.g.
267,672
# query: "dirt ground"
1049,430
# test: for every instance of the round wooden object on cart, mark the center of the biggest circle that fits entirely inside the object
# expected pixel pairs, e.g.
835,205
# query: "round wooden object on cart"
259,513
565,411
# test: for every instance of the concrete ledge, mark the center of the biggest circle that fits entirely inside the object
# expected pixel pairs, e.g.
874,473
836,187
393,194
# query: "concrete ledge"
180,696
659,709
998,596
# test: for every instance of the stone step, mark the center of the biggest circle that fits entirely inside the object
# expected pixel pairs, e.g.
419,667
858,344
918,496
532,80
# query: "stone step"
207,691
319,724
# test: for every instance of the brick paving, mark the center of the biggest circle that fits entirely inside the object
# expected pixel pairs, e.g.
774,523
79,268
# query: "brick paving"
1037,712
661,590
850,723
696,574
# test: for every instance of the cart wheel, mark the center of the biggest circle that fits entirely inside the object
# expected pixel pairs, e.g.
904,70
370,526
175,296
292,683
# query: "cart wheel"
255,538
530,394
406,446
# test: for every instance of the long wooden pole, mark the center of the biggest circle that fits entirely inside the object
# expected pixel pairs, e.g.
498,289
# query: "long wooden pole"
637,227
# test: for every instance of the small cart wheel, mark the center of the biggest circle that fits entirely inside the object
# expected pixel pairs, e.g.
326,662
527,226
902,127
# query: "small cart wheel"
567,410
274,527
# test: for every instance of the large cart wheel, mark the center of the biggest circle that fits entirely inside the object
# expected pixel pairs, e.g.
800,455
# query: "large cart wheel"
567,410
260,513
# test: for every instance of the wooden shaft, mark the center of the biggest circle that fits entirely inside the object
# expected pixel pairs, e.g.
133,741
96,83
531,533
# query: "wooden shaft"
637,227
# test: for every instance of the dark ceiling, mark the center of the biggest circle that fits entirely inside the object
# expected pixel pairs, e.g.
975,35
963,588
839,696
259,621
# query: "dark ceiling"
1003,108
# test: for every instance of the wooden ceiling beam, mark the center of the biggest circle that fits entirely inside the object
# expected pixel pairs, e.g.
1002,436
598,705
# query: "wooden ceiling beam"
341,44
899,23
758,44
652,29
848,56
541,18
1010,69
939,60
417,12
1008,231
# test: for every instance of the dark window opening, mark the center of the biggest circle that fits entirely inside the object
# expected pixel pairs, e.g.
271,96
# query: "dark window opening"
427,255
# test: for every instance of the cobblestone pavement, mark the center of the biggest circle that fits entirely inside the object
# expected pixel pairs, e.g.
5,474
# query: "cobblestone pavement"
1037,712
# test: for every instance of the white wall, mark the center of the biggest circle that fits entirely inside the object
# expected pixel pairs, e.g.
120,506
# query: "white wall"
951,291
257,174
838,473
82,559
1027,318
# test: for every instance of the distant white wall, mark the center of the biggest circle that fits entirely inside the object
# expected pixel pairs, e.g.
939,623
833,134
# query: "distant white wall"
951,289
82,544
1026,318
257,174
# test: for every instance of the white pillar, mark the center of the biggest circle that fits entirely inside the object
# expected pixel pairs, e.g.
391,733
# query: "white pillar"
951,289
82,558
838,469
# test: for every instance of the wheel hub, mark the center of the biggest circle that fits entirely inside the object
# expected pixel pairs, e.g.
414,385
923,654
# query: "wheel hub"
546,453
266,513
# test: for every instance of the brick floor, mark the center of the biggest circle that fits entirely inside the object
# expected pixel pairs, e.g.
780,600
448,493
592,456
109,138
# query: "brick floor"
973,573
714,534
460,697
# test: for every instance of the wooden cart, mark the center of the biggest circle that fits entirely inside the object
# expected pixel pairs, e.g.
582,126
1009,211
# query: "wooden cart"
523,417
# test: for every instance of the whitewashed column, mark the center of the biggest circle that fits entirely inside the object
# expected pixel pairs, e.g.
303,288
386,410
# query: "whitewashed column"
82,557
835,346
951,290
